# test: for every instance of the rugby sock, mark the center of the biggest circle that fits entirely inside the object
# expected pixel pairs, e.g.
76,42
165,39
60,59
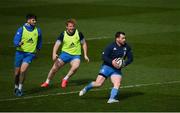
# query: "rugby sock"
47,81
16,79
66,77
88,87
20,87
114,93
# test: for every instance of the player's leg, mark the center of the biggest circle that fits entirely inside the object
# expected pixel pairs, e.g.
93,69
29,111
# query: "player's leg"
75,63
28,57
18,60
22,75
56,66
104,72
99,82
23,71
16,79
116,80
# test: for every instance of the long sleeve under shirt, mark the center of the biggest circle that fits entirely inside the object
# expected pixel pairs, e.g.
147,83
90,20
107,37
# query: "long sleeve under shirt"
18,36
113,51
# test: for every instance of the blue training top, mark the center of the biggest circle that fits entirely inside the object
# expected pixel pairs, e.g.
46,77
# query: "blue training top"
113,51
18,36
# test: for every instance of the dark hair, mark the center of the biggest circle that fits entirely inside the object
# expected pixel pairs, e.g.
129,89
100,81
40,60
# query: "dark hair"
118,34
30,16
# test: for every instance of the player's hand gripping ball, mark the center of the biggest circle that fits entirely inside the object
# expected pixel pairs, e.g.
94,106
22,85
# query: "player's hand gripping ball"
120,62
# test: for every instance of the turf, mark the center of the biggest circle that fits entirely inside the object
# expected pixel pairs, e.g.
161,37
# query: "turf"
152,29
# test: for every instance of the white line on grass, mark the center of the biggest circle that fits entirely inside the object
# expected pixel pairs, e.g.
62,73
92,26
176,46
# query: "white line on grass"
73,92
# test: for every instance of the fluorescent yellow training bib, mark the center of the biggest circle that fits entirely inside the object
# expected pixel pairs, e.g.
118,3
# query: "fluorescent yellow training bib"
71,44
29,39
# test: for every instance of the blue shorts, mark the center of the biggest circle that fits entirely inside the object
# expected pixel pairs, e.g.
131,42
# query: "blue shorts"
66,57
21,57
107,71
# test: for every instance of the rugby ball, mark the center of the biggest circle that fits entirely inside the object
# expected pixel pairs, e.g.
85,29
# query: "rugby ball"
119,61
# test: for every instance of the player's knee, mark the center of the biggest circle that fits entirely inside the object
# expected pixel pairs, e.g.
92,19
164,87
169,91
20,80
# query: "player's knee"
74,69
58,63
22,71
54,69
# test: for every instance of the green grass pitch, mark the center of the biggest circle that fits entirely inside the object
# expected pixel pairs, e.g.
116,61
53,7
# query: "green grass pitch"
150,83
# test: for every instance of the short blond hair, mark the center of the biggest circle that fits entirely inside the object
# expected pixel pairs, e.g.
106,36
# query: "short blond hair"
71,20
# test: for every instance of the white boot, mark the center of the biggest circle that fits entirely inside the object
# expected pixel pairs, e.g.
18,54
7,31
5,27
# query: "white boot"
112,101
82,92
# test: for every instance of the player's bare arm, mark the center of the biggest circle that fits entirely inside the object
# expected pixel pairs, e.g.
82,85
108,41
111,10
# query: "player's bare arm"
85,51
55,50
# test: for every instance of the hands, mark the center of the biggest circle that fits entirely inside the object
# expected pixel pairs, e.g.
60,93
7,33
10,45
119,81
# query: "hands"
86,58
21,43
114,63
36,54
54,57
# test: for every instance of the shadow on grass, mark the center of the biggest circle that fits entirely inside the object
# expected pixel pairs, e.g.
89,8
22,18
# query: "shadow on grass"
40,90
57,85
127,94
122,96
79,82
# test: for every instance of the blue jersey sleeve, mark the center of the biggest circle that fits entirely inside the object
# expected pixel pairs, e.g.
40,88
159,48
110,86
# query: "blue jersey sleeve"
39,43
17,37
129,56
106,55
